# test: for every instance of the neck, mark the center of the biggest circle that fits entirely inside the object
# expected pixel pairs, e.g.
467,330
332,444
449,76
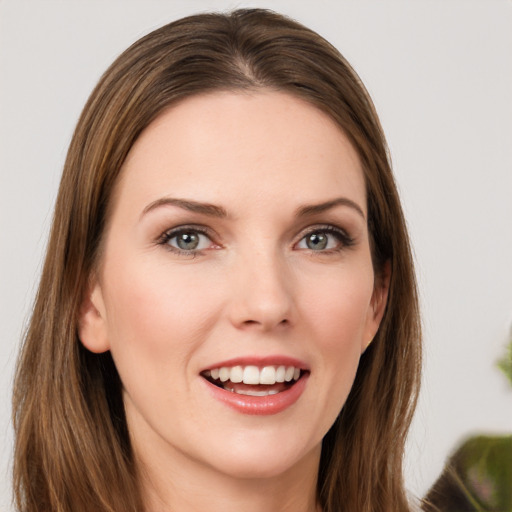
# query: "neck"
188,486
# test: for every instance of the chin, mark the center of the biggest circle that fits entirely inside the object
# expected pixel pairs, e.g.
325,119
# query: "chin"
257,462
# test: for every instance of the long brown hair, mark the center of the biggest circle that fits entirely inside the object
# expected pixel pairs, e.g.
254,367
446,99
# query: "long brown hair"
72,450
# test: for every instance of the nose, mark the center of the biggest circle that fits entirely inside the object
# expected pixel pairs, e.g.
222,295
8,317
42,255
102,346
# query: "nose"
262,297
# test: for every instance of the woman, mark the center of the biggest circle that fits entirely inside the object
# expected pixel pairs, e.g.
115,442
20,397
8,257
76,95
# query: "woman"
227,314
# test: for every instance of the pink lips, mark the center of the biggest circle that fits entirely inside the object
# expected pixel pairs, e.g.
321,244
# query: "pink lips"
260,405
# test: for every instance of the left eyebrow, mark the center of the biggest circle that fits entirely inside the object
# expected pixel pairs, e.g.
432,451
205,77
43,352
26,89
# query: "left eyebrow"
187,204
313,209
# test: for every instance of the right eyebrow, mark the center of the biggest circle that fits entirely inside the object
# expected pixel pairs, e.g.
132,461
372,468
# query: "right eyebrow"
186,204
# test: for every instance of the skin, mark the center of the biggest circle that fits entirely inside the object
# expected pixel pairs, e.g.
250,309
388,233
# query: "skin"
254,287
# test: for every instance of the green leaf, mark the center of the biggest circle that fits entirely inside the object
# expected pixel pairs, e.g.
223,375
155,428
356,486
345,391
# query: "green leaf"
476,478
505,364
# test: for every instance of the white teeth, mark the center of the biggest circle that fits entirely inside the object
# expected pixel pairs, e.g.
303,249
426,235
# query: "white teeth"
237,374
288,376
251,375
250,392
280,372
268,375
224,374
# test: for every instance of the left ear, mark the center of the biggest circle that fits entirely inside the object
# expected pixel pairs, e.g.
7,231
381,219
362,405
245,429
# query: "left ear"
377,304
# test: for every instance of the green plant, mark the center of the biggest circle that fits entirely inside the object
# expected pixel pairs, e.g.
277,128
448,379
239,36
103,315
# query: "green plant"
478,475
505,363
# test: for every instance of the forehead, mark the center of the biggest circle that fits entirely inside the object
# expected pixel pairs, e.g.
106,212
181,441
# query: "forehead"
225,144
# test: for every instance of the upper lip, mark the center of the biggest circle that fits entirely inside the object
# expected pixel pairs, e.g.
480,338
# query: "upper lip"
259,361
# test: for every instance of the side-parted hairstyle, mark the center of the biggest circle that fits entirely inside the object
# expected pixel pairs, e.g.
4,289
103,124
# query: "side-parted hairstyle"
72,448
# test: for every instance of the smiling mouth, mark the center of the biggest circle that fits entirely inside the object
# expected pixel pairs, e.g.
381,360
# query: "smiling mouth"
254,381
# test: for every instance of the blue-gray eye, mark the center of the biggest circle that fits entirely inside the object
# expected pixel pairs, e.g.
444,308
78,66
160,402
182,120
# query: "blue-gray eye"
317,241
321,240
189,241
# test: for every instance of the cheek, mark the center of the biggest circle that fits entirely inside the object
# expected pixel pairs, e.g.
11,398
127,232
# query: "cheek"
339,332
156,313
338,314
338,306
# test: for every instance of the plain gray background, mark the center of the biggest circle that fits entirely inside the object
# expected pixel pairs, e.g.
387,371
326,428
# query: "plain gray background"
440,73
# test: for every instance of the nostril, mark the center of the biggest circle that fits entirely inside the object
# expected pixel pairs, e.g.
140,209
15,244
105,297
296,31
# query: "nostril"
248,323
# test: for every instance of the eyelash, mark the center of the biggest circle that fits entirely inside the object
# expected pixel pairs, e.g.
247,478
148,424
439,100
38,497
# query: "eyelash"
344,240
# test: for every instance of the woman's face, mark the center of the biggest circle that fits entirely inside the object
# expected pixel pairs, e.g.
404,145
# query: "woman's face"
236,257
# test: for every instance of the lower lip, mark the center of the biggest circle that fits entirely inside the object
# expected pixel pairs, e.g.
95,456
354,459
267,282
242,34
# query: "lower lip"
259,405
